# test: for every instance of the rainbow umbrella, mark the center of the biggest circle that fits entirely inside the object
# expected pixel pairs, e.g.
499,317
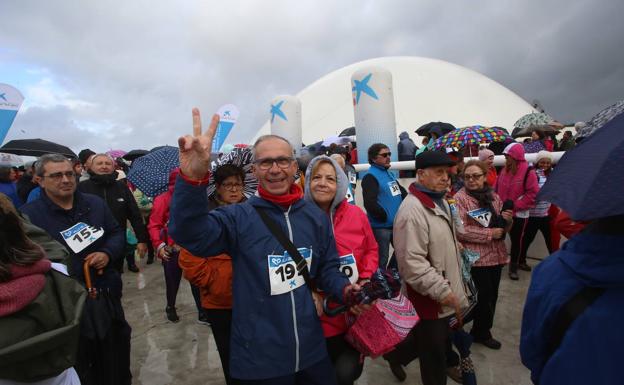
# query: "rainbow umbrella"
471,135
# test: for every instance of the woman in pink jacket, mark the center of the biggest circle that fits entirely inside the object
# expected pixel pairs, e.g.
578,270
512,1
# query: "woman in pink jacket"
326,186
167,251
485,225
517,183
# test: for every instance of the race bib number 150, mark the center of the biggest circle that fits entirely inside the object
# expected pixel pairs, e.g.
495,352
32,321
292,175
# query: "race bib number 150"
283,275
81,235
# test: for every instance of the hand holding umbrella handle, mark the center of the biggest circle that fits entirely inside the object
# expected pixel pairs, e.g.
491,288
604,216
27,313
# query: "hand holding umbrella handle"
87,274
195,149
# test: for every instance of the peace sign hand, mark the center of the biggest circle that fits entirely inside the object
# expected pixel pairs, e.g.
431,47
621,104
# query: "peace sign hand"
195,149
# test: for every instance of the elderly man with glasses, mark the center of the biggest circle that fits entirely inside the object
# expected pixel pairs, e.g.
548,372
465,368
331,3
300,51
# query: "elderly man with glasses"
276,333
382,195
86,227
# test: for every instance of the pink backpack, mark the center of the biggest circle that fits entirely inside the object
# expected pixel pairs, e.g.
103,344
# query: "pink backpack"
385,325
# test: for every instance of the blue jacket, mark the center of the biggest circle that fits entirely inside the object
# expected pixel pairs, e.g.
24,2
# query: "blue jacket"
272,335
10,190
389,196
590,352
91,210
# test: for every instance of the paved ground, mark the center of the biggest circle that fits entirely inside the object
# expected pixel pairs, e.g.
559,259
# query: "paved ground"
185,353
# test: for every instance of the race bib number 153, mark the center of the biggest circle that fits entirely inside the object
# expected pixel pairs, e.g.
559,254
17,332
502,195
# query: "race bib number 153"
81,235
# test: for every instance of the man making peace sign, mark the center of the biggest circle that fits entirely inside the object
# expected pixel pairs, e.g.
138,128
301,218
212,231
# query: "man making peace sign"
276,333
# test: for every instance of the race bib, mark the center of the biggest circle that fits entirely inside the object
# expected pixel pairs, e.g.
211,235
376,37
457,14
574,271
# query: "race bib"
483,216
394,188
352,178
522,214
80,236
283,275
349,267
349,196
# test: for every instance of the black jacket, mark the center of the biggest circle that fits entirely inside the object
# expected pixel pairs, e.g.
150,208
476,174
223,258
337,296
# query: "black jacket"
119,199
91,210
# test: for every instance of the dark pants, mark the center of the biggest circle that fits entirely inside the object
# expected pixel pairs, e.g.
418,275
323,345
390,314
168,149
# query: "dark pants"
221,325
433,338
517,236
486,280
533,225
173,276
345,358
384,240
321,373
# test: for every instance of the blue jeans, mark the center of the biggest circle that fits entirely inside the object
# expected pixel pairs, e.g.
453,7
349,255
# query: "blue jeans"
384,240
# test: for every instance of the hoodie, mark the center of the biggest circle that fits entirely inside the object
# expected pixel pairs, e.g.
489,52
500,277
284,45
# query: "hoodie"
406,147
521,187
590,350
353,234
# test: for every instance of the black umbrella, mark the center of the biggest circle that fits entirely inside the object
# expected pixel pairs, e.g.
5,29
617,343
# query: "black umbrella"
587,182
132,155
348,132
526,131
439,128
36,147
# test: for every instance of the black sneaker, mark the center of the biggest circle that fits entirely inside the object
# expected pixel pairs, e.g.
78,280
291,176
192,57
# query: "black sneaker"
133,268
203,319
524,267
489,342
172,315
398,371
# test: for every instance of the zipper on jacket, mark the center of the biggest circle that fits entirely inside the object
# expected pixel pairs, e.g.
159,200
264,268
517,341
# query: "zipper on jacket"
292,298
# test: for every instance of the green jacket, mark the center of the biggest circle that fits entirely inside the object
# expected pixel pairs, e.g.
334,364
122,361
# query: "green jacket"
41,340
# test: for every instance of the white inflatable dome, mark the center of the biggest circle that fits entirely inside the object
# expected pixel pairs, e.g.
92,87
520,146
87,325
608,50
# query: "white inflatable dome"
425,90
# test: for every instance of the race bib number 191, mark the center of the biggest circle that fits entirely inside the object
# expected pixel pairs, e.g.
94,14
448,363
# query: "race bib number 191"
283,275
81,235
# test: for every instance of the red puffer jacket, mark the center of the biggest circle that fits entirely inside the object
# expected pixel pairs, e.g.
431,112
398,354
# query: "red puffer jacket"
159,218
354,235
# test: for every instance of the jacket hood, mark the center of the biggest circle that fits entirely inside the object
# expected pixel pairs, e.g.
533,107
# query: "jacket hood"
515,151
342,181
403,135
595,258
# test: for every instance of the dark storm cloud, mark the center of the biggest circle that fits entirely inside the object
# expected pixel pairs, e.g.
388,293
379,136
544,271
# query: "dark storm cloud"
140,67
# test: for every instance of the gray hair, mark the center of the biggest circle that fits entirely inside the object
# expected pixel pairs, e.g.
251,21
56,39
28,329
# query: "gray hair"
268,137
102,154
47,158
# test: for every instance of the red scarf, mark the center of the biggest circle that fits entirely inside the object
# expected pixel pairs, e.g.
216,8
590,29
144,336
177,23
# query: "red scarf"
285,200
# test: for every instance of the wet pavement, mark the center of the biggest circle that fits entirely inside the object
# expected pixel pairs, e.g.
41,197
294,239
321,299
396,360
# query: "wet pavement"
185,353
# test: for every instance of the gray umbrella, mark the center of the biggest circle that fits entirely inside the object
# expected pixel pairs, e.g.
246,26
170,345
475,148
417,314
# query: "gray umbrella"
600,119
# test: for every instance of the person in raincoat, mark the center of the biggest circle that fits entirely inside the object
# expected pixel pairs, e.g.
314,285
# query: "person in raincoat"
326,186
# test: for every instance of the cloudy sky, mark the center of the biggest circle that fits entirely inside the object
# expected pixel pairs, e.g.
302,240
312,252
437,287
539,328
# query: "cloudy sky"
125,74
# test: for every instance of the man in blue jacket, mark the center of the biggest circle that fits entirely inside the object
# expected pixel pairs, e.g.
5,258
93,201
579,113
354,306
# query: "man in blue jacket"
276,333
86,227
589,352
382,196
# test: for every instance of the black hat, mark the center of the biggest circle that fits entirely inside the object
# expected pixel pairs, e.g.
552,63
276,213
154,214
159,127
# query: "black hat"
432,159
84,155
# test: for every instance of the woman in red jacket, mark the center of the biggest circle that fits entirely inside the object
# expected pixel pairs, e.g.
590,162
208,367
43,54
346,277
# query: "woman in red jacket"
167,251
326,186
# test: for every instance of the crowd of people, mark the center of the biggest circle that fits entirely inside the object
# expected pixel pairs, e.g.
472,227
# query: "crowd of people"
263,268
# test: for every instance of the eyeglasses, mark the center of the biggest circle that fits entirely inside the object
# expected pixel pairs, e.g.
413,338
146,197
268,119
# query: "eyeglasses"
282,162
57,176
472,176
232,186
385,154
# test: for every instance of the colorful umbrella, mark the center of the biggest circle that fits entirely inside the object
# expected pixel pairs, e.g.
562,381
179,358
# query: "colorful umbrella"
150,173
600,119
472,135
534,119
116,153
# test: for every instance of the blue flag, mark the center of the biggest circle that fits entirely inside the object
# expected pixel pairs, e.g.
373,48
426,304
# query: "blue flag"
10,102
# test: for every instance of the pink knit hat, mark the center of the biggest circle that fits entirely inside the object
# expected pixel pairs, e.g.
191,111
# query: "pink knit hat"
484,154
